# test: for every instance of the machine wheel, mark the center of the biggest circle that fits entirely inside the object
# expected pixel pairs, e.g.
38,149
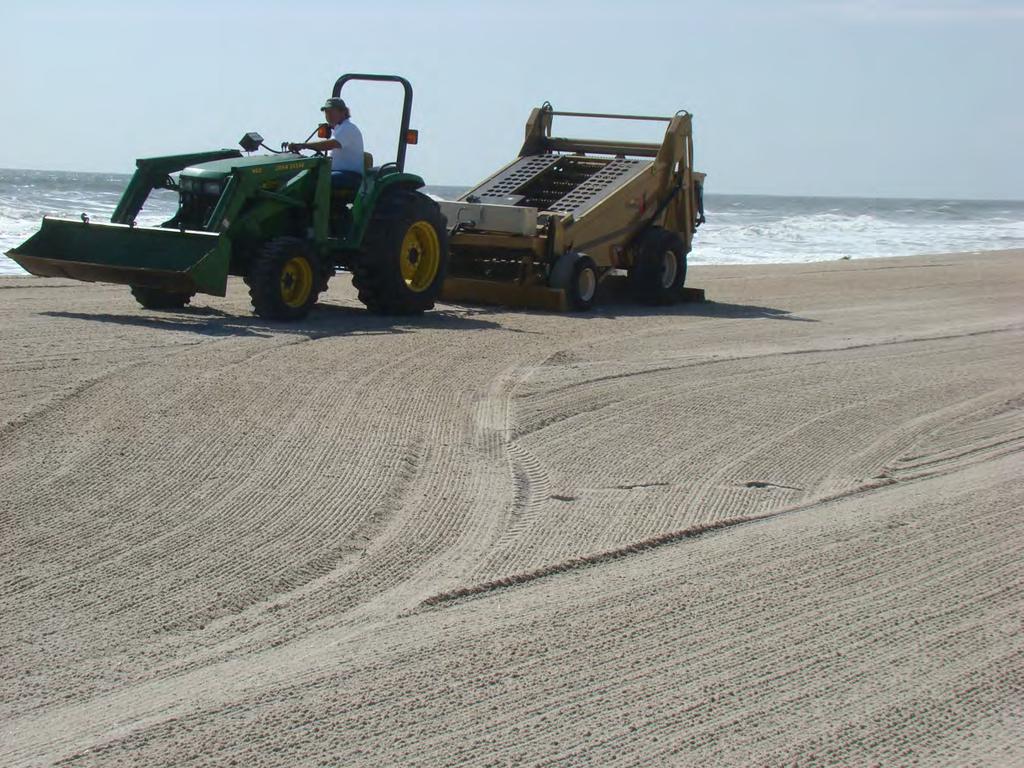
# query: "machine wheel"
404,259
154,298
659,267
285,279
576,274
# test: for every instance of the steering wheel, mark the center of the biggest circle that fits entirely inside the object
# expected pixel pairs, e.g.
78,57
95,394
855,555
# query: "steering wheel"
316,152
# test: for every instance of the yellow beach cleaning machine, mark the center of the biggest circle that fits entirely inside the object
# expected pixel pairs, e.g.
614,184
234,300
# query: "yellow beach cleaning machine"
546,229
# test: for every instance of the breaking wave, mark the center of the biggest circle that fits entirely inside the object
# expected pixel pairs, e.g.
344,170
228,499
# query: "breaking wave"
772,233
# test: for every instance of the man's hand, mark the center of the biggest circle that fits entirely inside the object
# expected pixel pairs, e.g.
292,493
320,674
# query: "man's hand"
316,146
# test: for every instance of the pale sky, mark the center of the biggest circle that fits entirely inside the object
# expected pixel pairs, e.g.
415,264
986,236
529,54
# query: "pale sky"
817,97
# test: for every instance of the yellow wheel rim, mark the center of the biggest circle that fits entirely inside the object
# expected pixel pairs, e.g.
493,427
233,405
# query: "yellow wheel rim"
296,281
421,256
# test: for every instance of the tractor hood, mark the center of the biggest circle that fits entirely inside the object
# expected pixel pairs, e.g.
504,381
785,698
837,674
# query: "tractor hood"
220,169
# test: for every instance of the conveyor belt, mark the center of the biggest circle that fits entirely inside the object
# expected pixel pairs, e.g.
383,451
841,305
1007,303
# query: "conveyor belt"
600,185
515,176
570,184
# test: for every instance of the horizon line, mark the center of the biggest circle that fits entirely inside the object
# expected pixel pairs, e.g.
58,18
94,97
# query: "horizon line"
828,196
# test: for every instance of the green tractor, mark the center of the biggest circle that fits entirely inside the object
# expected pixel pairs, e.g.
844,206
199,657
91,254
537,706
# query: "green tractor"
271,219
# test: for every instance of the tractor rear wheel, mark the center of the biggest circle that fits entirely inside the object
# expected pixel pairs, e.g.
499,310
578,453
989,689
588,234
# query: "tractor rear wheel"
402,265
154,298
659,267
285,279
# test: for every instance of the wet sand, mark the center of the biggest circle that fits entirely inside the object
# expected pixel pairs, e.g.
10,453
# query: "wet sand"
782,527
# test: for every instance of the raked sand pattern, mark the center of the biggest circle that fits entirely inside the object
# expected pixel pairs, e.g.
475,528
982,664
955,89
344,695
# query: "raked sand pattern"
781,528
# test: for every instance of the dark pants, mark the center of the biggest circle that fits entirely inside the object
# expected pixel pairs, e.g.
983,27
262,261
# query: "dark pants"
346,180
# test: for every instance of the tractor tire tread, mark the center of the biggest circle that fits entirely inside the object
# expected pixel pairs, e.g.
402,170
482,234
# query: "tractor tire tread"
264,281
379,288
645,274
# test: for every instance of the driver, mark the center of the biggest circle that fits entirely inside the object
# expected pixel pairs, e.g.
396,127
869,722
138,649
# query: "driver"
346,145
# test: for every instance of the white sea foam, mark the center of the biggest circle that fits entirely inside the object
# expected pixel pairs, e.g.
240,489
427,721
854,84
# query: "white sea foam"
735,239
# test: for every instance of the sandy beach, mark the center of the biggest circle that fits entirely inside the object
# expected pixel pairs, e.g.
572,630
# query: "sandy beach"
783,527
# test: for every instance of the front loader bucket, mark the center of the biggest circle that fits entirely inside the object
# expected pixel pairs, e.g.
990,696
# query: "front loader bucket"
153,257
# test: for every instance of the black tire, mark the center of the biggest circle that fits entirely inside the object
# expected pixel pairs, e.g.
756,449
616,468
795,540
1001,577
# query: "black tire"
576,274
154,298
285,279
659,267
404,223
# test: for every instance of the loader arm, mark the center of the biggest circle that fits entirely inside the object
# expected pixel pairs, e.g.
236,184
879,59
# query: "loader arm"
154,173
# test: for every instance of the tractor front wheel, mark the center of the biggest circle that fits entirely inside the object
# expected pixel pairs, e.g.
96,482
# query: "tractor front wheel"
402,265
285,279
154,298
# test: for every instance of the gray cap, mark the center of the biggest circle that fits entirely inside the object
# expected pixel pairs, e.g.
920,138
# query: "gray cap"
333,103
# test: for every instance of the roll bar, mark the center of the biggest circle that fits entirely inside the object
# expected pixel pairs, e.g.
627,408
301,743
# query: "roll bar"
403,135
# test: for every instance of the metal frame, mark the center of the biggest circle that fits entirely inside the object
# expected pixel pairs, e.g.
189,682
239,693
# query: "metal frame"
610,116
403,136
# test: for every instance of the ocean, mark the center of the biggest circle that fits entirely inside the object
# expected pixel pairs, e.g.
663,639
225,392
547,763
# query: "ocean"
740,229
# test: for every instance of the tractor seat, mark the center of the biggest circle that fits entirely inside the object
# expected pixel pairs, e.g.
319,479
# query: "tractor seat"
345,196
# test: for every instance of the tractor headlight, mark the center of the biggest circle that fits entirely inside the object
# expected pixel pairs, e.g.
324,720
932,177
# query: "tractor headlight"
212,188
